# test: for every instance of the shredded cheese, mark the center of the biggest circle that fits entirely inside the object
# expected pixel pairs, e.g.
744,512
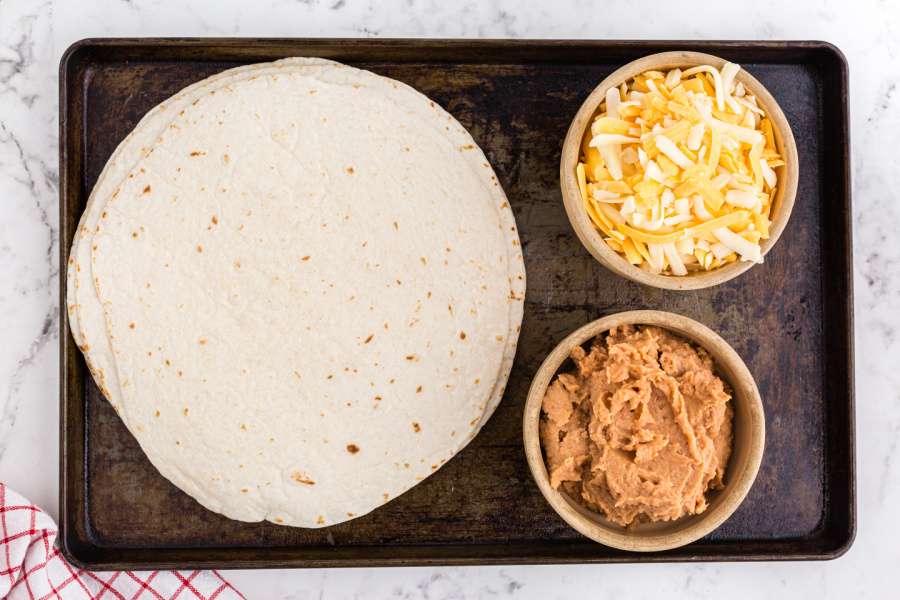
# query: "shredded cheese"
679,170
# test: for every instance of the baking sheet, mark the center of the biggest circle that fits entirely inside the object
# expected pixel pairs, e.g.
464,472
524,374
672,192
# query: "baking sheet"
790,318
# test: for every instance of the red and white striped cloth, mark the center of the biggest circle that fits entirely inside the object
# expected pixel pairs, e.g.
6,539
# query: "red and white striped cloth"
32,568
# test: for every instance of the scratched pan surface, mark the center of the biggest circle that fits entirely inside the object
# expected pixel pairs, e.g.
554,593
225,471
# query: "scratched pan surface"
790,318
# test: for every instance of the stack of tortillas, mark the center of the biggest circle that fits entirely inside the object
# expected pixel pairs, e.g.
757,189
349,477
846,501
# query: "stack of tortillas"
300,285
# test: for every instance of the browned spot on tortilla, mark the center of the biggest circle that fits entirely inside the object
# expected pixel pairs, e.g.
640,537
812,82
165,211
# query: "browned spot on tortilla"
416,427
279,520
450,308
184,412
385,496
352,448
424,260
244,490
225,158
396,226
377,398
243,427
320,520
300,478
103,216
477,381
410,357
214,220
202,341
198,153
131,326
369,339
433,467
350,514
199,248
305,258
330,377
406,148
350,170
146,190
180,373
419,390
134,234
157,413
168,364
398,282
237,264
311,92
467,147
462,335
453,434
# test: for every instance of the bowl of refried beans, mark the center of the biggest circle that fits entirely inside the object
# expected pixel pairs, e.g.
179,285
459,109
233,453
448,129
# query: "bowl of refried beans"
644,430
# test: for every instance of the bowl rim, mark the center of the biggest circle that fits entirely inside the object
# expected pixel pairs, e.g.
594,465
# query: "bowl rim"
686,529
590,238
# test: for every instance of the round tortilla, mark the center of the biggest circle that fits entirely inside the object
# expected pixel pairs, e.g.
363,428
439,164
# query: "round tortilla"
304,324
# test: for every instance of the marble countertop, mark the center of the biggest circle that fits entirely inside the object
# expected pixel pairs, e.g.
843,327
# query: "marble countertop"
33,35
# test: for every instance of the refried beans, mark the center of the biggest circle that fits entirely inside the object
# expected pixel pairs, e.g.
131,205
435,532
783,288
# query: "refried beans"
641,429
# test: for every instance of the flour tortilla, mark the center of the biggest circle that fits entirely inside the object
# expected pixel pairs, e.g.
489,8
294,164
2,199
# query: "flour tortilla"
274,483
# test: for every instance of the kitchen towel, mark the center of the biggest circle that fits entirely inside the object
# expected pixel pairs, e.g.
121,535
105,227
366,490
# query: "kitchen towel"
32,567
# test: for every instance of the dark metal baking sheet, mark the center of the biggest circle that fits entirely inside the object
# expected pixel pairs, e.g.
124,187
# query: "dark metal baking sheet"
790,318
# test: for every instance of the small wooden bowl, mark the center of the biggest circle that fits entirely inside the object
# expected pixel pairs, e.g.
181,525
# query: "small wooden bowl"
591,238
747,450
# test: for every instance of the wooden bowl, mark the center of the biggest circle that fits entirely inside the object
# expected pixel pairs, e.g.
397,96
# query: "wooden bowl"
591,238
747,449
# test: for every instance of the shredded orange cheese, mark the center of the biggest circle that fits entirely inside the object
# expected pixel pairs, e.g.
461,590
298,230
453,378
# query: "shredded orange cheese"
679,169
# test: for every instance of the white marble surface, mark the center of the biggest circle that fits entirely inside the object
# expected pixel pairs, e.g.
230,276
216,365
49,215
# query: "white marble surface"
33,35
